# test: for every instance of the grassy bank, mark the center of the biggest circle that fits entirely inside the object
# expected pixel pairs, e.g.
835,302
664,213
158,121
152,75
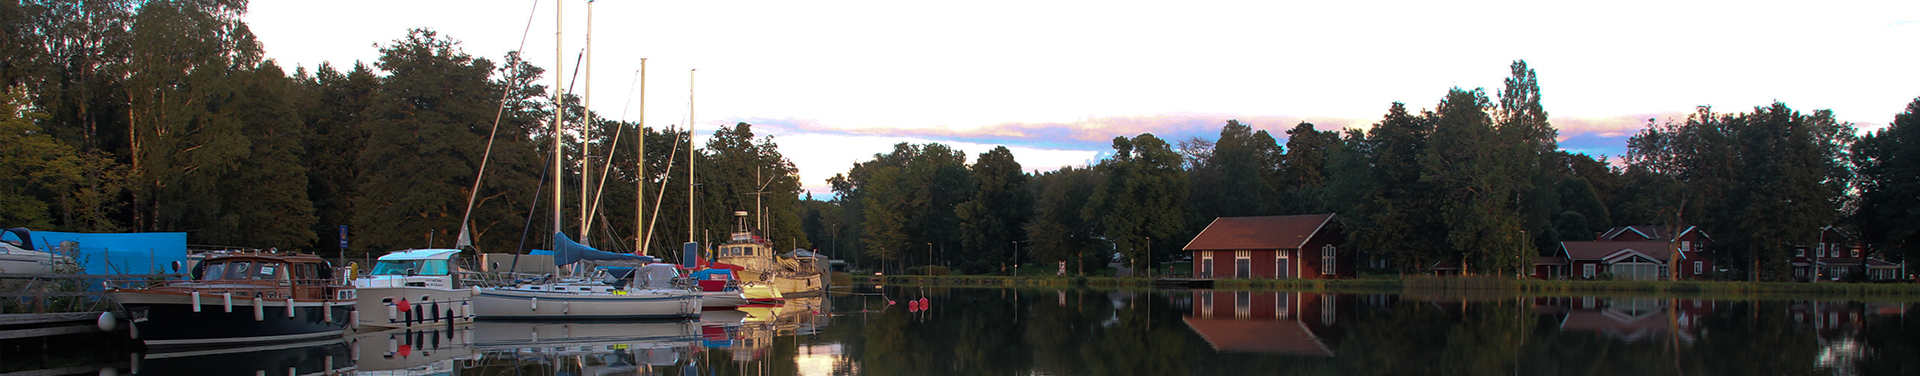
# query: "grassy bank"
1468,287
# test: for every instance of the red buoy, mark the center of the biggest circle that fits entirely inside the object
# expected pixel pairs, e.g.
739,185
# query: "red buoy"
923,304
402,305
913,306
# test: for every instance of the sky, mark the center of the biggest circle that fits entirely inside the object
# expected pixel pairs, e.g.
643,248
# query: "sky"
835,82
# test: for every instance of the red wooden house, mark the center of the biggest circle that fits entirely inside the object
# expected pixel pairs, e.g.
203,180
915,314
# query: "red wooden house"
1838,254
1631,252
1272,247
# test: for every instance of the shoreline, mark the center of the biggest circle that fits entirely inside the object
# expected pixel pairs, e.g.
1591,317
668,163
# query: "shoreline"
1472,288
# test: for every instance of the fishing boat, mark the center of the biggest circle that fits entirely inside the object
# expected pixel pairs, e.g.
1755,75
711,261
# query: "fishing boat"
647,292
752,257
244,297
415,287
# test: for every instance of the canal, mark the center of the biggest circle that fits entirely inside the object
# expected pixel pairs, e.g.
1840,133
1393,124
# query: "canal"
992,331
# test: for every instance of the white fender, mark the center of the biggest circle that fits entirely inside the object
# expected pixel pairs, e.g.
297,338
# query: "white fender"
229,297
196,302
536,303
106,322
259,313
290,309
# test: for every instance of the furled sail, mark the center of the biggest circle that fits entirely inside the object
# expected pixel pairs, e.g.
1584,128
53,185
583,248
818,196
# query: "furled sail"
566,251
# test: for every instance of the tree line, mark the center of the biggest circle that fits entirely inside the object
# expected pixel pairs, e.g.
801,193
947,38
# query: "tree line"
1474,180
163,115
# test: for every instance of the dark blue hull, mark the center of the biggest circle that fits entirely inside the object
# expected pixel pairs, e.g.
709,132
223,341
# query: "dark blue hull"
166,325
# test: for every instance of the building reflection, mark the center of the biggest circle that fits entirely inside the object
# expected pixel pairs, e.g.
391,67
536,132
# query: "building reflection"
1628,319
1294,323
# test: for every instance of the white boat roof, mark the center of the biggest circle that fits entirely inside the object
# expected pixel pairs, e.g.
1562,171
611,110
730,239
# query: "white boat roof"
420,254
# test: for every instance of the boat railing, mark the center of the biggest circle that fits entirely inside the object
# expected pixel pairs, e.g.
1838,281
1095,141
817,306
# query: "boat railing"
219,285
59,292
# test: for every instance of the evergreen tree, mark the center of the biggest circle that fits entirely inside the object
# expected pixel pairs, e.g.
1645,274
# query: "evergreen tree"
991,220
1477,177
425,140
1142,198
1889,163
1058,231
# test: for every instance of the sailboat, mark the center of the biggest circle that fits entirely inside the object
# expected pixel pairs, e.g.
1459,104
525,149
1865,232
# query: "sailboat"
607,293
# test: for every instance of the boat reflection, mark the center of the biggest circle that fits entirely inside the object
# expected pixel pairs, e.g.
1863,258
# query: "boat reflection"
330,356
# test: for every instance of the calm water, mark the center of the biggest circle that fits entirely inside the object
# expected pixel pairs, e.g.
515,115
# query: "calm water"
977,331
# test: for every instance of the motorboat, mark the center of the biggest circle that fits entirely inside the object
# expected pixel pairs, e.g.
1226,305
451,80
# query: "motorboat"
752,257
20,256
722,290
415,287
244,297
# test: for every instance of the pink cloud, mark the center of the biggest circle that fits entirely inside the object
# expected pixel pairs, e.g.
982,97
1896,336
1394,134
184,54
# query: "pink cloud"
1086,134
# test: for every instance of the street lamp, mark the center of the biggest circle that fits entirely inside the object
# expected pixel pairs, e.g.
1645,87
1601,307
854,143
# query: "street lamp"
929,258
1149,257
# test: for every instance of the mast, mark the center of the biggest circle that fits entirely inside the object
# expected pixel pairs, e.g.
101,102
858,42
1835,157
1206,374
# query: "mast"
640,167
559,109
690,151
586,130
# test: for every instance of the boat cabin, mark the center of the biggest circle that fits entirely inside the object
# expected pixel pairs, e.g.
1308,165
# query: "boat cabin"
307,276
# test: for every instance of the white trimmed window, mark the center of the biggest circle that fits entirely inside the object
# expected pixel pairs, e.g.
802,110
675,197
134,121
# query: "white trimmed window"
1836,250
1699,267
1800,252
1586,271
1854,253
1327,257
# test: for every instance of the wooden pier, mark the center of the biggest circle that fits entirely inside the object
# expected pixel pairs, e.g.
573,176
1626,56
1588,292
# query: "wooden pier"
1184,283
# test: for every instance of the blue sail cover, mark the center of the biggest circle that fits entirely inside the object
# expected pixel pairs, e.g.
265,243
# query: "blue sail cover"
566,251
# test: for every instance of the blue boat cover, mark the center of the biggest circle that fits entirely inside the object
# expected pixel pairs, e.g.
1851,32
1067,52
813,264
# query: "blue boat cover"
566,251
117,253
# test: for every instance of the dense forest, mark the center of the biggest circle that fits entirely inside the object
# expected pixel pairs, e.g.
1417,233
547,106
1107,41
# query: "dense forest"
163,116
1475,180
158,115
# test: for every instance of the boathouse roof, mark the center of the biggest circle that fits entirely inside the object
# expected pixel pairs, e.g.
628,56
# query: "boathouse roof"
1270,232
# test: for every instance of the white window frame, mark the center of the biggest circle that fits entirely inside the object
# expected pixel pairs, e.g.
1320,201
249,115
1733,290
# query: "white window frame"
1836,250
1699,267
1799,252
1328,260
1206,264
1587,270
1853,252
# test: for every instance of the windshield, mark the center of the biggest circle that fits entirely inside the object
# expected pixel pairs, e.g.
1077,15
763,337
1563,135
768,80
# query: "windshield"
420,267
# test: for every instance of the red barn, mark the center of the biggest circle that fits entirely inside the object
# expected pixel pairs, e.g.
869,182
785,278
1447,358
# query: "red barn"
1272,247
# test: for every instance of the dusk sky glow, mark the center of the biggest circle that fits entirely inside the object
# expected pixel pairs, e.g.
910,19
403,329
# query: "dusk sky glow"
836,82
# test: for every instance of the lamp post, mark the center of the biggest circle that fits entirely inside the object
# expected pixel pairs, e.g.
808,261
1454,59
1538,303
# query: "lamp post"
1149,257
929,258
1016,256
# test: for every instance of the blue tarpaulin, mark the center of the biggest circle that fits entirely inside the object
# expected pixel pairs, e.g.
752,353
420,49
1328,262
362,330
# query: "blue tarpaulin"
118,253
566,251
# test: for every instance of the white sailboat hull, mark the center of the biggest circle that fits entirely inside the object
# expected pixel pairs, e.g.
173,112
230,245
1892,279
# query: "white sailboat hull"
511,304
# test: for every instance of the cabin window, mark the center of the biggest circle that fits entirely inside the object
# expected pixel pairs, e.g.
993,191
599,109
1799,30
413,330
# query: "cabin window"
239,269
214,271
267,271
1586,270
419,267
1699,267
1327,259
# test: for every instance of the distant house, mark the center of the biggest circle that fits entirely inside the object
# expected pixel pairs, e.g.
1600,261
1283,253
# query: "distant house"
1632,253
1273,247
1837,254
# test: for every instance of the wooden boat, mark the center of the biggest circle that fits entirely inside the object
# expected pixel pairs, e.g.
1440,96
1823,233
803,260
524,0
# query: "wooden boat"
415,287
239,298
790,275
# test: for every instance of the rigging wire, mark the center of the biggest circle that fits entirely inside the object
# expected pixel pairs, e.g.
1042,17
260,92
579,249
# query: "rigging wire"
513,70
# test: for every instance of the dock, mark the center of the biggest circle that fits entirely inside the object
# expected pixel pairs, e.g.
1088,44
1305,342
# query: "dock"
31,325
1185,283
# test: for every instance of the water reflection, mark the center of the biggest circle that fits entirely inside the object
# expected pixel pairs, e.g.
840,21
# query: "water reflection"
979,331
